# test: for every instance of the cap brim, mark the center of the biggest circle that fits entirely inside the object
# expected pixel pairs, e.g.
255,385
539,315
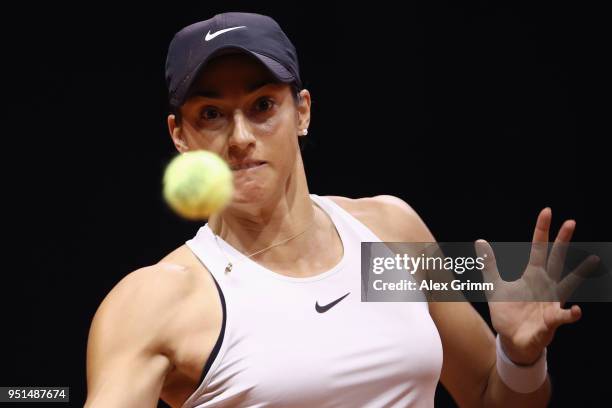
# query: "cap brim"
281,73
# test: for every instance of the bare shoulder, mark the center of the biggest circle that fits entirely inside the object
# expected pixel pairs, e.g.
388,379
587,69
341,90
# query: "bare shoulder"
151,296
143,301
165,280
183,257
389,217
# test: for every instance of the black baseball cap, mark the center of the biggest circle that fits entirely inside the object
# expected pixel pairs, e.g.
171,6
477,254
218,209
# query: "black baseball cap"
253,34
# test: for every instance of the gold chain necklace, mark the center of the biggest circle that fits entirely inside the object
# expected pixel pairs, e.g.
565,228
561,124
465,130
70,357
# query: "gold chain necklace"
230,265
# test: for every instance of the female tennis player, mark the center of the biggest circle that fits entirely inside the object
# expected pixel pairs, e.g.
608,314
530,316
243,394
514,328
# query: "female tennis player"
262,307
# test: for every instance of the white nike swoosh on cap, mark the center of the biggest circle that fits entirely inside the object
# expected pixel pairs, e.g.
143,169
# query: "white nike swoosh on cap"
210,36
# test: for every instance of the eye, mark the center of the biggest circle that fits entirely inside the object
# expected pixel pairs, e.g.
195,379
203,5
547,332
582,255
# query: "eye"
264,104
210,113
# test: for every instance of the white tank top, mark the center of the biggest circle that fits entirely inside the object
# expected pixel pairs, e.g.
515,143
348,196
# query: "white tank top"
276,349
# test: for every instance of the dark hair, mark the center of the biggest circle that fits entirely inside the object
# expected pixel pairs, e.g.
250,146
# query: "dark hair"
295,93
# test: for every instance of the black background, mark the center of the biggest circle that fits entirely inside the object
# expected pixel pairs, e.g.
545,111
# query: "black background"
477,115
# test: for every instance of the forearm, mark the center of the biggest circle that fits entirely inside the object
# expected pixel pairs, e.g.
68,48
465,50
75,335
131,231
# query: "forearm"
498,394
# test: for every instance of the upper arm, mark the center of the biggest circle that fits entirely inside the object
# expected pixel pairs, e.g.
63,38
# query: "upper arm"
126,359
467,341
469,350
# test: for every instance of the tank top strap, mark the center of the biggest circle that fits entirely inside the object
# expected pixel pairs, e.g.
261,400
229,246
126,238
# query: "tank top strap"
348,220
205,248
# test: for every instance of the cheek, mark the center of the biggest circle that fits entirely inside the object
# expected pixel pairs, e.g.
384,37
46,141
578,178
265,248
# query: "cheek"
281,128
204,140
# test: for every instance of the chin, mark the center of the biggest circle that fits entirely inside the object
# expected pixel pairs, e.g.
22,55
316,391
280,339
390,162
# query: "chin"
248,194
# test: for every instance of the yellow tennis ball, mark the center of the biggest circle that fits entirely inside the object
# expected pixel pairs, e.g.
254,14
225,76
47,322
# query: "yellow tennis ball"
197,184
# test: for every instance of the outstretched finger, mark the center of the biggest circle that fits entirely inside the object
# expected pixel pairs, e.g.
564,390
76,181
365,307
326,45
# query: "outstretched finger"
539,245
558,317
574,279
558,253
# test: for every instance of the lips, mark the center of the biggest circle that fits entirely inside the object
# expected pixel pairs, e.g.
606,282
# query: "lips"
249,164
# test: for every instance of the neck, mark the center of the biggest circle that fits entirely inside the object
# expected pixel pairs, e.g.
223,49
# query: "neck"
253,227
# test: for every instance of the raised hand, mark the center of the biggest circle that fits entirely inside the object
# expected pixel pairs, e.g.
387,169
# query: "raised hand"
526,312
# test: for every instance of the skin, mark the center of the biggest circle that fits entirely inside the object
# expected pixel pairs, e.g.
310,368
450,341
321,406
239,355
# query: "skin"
158,349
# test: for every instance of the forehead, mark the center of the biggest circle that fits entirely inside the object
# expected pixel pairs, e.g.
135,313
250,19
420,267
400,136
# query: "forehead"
230,73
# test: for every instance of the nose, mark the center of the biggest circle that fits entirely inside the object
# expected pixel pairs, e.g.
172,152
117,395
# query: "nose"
241,136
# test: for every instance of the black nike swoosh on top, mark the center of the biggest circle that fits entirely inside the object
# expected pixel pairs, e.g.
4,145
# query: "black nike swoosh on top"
323,309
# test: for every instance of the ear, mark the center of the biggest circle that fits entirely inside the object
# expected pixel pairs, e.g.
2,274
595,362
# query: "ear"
303,110
176,134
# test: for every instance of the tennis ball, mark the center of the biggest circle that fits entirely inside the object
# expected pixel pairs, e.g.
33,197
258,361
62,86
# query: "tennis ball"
197,184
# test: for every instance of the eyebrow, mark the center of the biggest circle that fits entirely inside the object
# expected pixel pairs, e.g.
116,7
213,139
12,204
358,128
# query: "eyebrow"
212,94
